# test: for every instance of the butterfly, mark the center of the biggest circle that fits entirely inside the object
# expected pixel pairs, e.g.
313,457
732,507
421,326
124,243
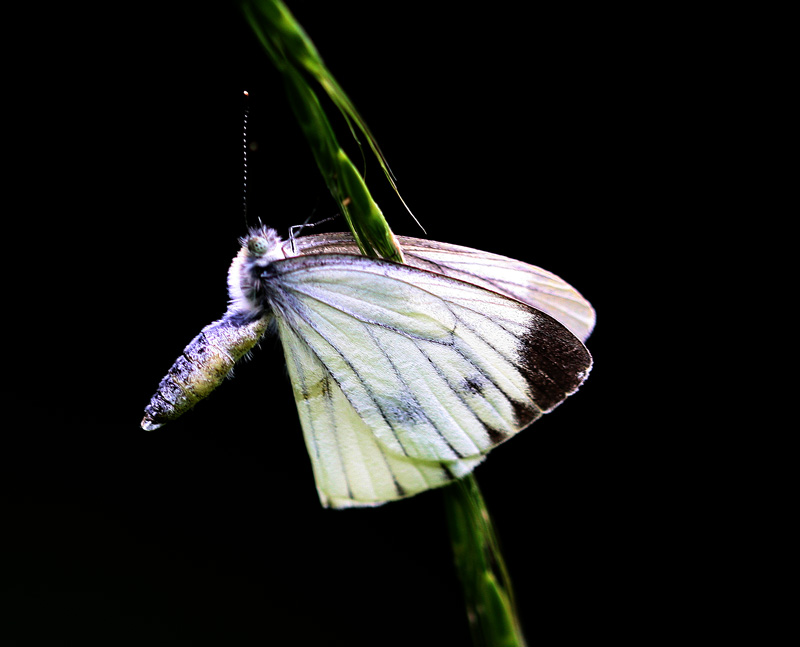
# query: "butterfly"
404,375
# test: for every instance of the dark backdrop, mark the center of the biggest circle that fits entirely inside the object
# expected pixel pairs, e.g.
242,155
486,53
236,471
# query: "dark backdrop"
516,131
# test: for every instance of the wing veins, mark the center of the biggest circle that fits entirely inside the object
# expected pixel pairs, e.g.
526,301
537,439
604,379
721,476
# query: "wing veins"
460,396
514,363
288,299
372,321
403,381
328,406
333,422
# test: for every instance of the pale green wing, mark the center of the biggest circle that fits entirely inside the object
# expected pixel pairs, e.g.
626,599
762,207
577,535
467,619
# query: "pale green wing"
351,468
530,284
413,368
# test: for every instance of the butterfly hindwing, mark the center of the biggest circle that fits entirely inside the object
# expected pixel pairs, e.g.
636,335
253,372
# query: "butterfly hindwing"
527,283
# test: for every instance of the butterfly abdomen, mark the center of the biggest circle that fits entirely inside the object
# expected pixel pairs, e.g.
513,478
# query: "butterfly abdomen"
201,368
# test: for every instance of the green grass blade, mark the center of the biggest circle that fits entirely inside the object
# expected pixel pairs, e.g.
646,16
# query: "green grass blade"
487,587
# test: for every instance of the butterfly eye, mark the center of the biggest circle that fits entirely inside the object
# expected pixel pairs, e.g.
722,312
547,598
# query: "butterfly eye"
257,246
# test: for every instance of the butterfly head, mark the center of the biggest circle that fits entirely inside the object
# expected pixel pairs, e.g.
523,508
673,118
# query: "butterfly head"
260,247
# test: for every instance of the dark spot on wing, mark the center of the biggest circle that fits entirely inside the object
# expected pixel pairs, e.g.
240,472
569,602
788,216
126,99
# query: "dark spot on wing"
404,411
321,388
473,384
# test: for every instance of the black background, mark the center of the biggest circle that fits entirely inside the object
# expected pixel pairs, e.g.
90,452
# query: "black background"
526,133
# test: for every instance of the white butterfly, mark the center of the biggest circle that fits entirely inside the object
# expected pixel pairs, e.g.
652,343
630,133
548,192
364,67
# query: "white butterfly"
404,375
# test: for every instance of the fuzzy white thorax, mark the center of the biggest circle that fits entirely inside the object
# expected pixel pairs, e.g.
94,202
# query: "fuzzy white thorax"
260,247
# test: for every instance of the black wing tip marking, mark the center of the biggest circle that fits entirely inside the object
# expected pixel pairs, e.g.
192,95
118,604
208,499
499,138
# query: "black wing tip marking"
555,362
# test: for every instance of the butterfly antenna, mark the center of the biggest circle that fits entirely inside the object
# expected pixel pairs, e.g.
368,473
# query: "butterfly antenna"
244,155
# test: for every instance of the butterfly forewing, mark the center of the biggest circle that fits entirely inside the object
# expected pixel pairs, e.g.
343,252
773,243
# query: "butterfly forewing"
351,467
422,371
